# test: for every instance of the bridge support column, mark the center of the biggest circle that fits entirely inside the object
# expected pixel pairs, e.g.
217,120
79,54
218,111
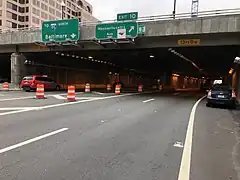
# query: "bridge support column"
18,69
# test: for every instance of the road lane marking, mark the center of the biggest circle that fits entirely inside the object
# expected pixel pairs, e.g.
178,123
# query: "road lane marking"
98,93
16,108
65,104
29,141
184,172
148,100
178,144
30,97
58,97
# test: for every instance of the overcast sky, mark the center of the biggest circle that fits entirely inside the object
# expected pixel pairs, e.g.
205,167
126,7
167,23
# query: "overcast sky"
107,9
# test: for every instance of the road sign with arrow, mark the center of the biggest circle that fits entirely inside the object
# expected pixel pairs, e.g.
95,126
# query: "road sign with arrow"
121,30
60,30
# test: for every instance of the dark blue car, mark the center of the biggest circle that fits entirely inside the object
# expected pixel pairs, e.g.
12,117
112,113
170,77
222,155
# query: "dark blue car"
221,94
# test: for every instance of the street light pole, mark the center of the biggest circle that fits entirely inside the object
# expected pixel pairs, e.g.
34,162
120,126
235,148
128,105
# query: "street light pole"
174,8
63,6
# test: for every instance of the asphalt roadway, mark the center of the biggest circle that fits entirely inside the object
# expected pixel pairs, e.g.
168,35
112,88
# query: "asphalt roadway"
150,136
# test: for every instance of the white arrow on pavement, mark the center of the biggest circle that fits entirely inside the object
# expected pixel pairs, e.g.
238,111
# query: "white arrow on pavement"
131,29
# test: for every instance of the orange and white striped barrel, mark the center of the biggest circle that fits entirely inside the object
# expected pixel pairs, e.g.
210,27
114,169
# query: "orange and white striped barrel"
140,88
117,89
40,91
71,93
5,86
109,87
87,87
160,87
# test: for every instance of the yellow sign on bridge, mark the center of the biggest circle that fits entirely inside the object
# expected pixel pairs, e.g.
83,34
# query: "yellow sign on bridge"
189,42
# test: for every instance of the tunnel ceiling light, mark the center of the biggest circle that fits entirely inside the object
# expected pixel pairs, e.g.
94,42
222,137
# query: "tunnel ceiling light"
77,56
230,71
73,56
151,56
105,62
68,54
174,74
90,57
62,54
57,52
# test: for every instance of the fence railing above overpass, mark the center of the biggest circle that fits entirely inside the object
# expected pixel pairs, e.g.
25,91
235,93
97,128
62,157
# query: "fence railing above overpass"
212,13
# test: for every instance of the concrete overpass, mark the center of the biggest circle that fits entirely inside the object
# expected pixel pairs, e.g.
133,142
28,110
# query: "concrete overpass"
212,28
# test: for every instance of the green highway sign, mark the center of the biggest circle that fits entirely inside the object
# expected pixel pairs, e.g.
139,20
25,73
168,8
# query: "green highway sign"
141,29
127,16
60,30
121,30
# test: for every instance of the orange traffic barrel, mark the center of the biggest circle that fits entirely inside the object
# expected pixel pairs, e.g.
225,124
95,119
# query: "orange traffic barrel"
5,86
117,89
160,87
109,87
40,91
87,87
71,93
140,88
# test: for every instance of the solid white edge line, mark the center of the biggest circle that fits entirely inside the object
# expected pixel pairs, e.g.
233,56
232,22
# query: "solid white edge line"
16,108
32,140
184,172
148,100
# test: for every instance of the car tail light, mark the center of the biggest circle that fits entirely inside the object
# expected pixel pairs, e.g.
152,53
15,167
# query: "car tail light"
33,83
209,94
234,94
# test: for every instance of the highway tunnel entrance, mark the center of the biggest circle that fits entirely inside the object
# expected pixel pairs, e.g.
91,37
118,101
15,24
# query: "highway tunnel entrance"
5,67
178,67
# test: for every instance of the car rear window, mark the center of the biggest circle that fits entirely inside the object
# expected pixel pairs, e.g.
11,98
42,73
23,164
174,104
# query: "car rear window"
28,78
221,87
40,78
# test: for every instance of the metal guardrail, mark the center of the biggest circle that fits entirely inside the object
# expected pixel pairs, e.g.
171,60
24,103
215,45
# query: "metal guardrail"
179,16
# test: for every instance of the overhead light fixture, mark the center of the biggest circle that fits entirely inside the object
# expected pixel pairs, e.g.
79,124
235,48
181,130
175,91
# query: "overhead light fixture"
57,52
151,56
90,57
77,56
73,55
231,71
176,75
68,55
62,54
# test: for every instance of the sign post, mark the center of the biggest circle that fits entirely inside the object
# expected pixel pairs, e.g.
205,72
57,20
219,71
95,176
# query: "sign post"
121,30
127,16
60,30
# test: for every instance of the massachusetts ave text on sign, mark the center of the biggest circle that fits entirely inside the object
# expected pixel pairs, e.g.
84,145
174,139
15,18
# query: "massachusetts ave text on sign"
60,30
119,30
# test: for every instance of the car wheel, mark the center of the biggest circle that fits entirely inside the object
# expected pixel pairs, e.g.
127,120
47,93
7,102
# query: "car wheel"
27,89
233,106
58,88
